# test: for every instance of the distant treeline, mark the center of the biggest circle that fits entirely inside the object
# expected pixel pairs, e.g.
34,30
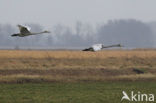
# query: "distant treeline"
130,33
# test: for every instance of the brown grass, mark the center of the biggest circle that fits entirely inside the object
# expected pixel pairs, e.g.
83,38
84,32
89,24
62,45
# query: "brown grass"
77,54
48,66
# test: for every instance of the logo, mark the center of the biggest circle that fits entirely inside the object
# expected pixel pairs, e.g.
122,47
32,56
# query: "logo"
137,96
125,96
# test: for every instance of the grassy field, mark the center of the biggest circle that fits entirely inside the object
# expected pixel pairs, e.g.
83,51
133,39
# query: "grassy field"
75,76
20,66
82,92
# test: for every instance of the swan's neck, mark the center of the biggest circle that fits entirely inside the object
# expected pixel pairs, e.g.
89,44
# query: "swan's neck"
110,46
37,33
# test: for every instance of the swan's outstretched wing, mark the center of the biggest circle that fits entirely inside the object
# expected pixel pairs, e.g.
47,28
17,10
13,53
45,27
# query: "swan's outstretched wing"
23,29
97,47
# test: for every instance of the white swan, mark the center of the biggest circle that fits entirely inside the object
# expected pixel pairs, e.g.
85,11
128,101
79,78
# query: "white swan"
25,31
97,47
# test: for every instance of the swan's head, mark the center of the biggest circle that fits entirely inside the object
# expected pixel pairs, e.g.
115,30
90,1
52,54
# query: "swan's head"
46,31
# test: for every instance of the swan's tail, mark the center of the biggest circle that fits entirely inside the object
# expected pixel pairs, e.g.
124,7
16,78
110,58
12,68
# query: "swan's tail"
14,35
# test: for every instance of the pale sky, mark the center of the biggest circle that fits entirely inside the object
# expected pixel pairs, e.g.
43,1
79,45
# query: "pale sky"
67,12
